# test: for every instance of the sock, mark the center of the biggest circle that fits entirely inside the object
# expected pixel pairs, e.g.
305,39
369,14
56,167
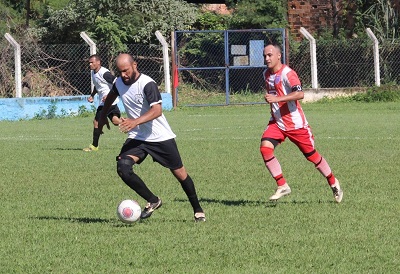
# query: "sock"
273,165
322,165
96,137
190,190
136,183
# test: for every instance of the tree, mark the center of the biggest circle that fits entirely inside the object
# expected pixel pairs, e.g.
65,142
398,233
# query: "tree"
118,21
257,14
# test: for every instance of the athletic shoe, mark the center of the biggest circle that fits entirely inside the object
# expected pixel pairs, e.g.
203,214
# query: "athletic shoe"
337,191
91,148
150,207
199,217
280,192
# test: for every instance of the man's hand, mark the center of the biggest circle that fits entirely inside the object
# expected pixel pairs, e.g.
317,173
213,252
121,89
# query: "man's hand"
269,98
127,124
90,99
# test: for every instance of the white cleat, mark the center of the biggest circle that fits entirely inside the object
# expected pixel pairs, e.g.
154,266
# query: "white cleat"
337,191
280,192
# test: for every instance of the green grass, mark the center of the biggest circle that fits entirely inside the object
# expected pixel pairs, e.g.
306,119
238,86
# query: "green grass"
58,203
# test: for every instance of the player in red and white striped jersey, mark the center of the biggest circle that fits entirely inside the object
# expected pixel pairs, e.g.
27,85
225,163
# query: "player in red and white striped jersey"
288,121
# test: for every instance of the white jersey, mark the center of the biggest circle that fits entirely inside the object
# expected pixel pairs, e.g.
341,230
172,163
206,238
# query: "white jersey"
138,99
102,86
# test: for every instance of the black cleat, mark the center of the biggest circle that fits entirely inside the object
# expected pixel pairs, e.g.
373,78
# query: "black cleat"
150,207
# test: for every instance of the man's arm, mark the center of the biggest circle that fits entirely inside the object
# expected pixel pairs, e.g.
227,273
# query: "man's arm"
91,97
293,96
127,124
109,77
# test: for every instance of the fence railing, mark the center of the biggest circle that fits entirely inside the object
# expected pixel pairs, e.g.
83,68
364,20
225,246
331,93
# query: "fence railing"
63,69
56,70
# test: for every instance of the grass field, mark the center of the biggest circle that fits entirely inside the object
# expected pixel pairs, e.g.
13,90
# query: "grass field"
58,203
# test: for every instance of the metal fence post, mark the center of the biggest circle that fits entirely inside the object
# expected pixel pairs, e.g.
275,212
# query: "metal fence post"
372,36
313,52
93,50
17,56
164,44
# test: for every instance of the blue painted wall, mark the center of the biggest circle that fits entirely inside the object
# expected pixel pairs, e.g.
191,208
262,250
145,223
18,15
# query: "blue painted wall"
14,109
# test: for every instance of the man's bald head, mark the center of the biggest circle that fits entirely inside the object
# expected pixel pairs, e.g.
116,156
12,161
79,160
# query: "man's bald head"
124,58
127,68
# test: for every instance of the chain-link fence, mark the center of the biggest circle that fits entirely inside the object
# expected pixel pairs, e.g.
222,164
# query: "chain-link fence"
211,65
341,64
222,67
348,63
59,70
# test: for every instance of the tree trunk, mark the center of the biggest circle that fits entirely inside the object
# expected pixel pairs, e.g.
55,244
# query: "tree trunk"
28,12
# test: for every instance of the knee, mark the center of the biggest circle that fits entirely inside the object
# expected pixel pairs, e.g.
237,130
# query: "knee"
115,120
124,166
267,152
313,157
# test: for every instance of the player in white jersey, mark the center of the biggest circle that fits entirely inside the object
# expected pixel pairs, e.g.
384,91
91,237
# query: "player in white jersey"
148,133
103,81
288,121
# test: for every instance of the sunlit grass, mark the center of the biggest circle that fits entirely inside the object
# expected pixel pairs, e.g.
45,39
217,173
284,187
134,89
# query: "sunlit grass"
58,203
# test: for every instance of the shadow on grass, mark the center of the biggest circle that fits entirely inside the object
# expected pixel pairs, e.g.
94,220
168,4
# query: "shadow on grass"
226,202
63,148
266,203
75,220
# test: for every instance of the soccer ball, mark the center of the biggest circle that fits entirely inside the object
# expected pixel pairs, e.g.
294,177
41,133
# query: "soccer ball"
128,211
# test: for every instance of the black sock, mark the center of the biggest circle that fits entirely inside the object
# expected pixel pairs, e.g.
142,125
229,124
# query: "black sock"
135,182
190,190
96,137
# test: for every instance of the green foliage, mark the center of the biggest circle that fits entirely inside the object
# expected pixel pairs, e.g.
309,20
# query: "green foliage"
258,14
212,21
11,21
164,16
84,112
118,22
51,112
110,31
383,18
385,93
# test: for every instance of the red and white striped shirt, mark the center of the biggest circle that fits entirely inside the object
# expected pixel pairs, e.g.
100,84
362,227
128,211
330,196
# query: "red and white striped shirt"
288,115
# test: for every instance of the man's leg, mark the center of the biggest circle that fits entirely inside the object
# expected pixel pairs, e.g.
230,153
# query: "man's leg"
96,136
125,171
187,185
274,167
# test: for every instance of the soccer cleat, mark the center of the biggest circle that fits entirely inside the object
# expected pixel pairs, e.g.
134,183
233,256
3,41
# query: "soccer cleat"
199,217
91,148
280,192
337,191
150,207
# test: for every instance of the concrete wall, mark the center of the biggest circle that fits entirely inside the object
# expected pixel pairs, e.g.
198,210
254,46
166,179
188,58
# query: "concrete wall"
311,95
14,109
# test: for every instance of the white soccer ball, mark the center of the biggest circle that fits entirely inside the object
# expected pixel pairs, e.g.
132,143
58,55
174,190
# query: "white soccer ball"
129,211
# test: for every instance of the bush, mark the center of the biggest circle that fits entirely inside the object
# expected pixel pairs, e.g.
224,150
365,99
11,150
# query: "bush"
385,93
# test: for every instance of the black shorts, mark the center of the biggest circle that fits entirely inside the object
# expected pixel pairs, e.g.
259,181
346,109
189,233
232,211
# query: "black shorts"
113,111
165,153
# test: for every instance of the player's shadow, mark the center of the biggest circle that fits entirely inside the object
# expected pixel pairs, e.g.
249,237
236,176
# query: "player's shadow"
75,220
240,202
62,148
266,203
